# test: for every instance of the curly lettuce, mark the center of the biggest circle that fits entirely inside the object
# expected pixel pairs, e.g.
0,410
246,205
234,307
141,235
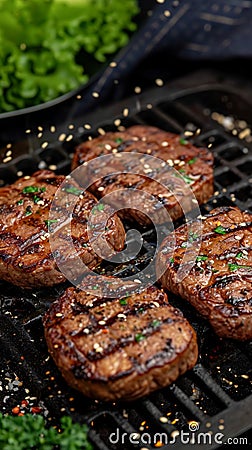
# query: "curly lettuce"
41,42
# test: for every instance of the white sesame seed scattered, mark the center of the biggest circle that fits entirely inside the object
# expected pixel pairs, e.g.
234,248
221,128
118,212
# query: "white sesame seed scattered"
78,97
170,162
159,82
182,163
52,167
121,316
87,126
149,106
41,165
188,133
61,137
108,147
118,155
160,1
117,122
125,112
86,331
163,419
194,201
101,188
167,13
137,281
40,128
44,144
176,161
99,350
19,173
146,166
102,322
28,131
96,345
95,94
71,126
113,64
156,304
8,153
5,160
114,150
238,238
69,137
40,135
137,89
58,314
101,131
52,129
27,177
164,144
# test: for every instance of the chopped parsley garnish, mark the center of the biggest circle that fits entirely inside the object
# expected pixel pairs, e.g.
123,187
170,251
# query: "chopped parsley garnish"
20,202
192,161
72,190
184,177
123,301
193,236
201,258
171,260
156,323
36,199
99,207
95,287
33,189
233,267
28,212
118,140
184,244
49,222
241,255
139,337
30,431
220,230
183,141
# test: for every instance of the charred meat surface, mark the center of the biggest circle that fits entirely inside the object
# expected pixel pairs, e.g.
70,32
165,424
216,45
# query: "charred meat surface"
193,169
119,348
219,285
26,258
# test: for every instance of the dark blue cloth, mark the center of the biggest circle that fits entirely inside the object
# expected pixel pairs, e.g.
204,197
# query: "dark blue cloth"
189,30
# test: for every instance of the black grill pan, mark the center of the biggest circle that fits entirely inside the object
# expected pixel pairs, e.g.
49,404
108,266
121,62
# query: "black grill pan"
217,392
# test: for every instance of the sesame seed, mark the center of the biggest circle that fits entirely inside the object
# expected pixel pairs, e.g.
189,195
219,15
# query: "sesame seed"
101,131
52,129
102,322
114,150
117,122
176,161
56,346
28,131
121,316
101,188
108,147
194,200
163,419
27,177
61,137
137,281
159,82
52,167
44,144
5,160
238,238
78,97
170,162
99,349
58,314
40,135
8,153
95,94
246,377
182,163
86,331
19,173
156,304
113,64
188,133
137,89
87,126
69,137
164,143
96,345
167,13
149,106
160,1
125,112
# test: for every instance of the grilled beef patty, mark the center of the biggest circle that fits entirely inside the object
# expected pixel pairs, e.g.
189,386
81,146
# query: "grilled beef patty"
26,259
194,169
219,285
113,349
